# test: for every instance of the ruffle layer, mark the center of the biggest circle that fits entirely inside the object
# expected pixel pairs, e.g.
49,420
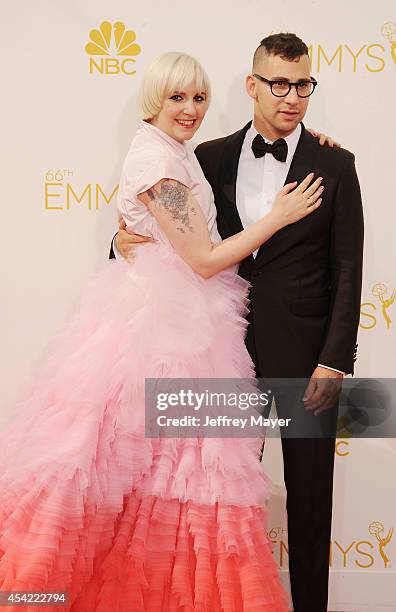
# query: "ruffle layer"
159,556
86,499
169,556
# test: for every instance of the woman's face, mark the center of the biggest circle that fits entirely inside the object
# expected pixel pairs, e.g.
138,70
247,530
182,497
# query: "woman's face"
182,113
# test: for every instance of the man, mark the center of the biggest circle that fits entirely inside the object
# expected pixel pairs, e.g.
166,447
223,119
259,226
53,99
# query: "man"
306,283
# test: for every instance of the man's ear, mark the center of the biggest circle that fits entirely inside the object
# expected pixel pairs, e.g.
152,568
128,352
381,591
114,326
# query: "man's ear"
251,85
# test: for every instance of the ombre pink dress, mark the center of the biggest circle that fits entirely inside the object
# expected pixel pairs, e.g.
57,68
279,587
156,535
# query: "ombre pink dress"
88,504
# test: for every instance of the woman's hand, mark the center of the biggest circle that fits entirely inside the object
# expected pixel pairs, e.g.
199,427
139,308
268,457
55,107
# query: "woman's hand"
323,138
294,202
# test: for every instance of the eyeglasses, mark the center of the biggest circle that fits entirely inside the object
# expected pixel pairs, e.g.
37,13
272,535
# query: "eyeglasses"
281,89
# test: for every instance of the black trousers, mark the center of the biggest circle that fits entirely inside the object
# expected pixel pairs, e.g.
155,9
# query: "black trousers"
308,474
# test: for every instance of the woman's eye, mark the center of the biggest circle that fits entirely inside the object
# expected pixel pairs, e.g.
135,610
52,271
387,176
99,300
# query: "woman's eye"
176,97
199,99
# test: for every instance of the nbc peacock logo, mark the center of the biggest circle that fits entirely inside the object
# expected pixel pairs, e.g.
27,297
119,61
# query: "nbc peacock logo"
112,49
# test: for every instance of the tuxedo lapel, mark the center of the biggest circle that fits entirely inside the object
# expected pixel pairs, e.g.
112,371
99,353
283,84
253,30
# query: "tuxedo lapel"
302,164
228,219
303,159
228,176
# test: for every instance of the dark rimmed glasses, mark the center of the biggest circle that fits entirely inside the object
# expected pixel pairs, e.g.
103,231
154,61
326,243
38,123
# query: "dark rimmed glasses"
281,88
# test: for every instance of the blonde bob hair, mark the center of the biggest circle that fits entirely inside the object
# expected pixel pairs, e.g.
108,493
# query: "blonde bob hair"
170,72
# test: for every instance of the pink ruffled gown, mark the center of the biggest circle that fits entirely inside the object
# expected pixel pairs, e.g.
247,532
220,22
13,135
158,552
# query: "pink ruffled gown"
88,504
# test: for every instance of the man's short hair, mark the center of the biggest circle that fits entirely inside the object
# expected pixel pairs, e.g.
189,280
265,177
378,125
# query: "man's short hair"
285,44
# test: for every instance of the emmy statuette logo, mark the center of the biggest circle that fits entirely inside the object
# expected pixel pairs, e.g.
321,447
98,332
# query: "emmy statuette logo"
380,291
372,313
376,529
388,31
111,49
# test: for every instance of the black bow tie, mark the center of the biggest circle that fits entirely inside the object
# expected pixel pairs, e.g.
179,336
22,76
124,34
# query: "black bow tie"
278,149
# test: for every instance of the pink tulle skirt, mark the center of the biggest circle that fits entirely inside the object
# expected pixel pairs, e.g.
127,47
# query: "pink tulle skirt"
121,522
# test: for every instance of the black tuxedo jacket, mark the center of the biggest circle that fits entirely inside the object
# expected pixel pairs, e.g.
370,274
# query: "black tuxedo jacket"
306,279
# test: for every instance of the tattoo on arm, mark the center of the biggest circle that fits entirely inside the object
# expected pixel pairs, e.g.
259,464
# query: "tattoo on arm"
173,197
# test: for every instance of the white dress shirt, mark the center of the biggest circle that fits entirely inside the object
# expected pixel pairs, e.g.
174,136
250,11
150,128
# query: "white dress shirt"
260,179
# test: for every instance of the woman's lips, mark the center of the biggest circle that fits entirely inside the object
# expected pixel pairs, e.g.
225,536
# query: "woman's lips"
186,123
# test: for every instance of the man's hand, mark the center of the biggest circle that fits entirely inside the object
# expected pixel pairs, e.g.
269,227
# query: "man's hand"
323,390
323,139
125,242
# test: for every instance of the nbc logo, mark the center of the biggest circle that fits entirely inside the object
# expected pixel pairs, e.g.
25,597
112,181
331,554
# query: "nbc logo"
111,49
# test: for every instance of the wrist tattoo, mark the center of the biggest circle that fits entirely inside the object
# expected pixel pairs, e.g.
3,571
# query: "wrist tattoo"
173,197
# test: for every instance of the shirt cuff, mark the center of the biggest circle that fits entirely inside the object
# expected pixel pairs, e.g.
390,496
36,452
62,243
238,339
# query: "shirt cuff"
329,368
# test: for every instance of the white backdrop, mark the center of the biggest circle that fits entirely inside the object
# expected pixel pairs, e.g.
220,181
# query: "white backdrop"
70,129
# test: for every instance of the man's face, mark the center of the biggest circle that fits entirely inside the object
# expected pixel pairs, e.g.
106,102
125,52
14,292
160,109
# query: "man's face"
278,117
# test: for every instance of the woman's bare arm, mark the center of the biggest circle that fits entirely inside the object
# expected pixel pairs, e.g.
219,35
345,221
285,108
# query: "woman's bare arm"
180,217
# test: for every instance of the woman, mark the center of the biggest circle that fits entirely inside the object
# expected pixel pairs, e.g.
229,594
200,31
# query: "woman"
88,504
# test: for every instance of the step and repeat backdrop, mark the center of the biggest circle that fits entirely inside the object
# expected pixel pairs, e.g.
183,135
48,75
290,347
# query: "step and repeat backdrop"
69,100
